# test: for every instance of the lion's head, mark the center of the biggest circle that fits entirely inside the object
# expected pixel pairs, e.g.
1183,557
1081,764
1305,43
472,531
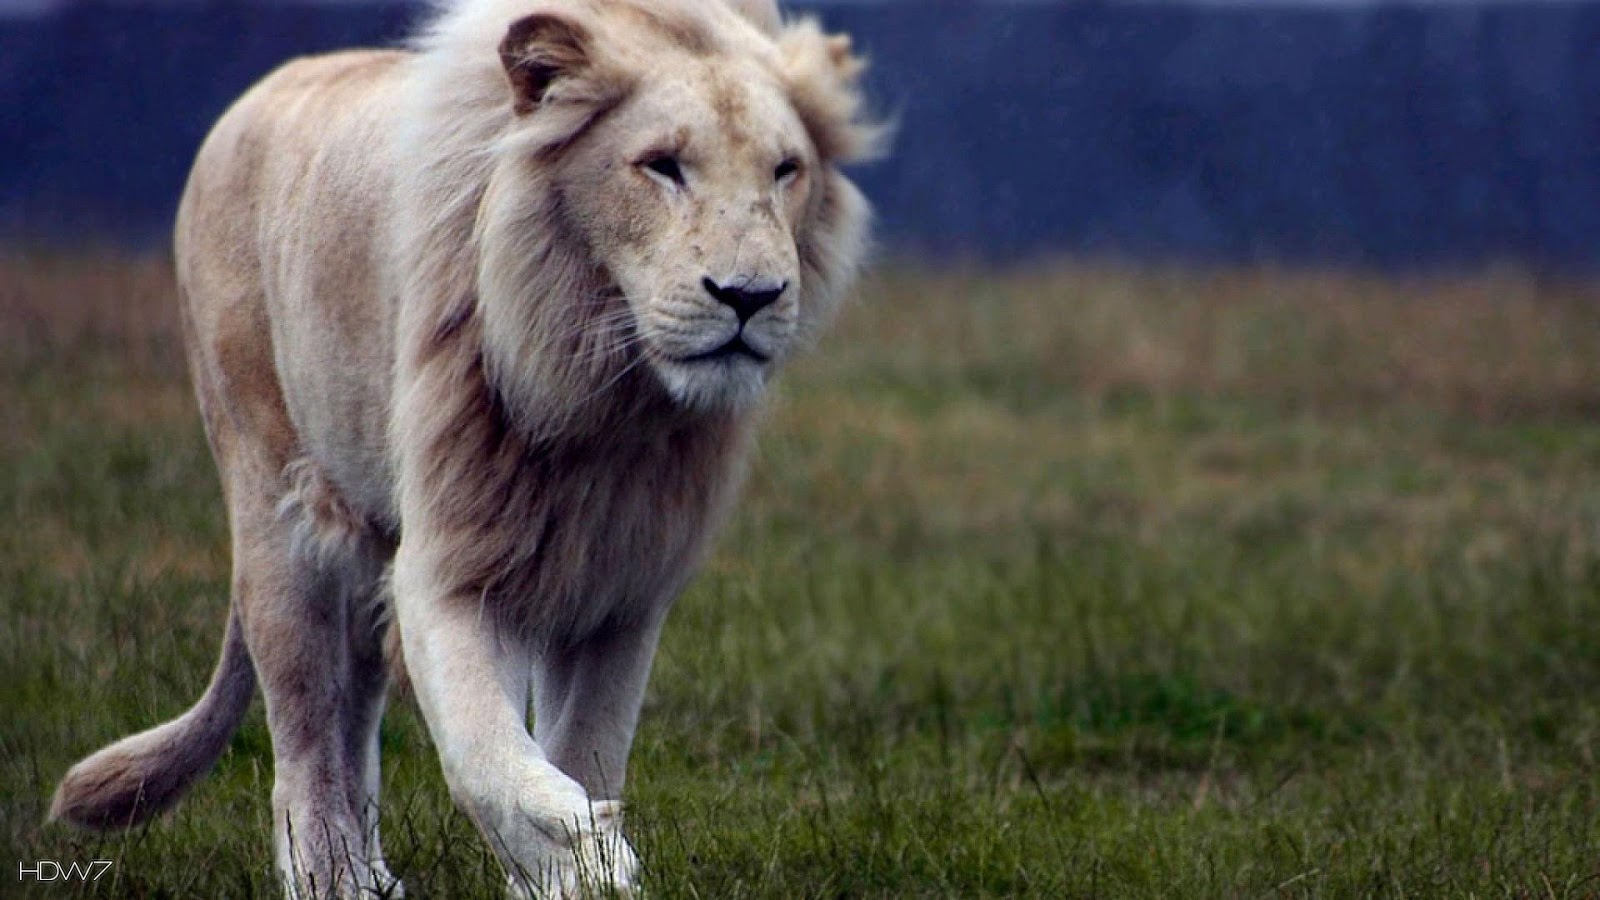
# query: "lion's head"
663,198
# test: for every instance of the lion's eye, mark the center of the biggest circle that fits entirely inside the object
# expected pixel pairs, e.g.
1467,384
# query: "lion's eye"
786,170
667,167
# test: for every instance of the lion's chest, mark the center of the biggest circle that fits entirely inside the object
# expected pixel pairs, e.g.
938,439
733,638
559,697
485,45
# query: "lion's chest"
572,539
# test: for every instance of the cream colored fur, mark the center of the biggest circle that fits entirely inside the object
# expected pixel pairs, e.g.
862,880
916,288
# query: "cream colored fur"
492,314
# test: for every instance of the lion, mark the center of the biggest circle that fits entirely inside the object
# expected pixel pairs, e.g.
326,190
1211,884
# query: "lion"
478,329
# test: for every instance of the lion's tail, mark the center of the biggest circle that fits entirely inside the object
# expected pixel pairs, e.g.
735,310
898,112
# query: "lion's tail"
146,773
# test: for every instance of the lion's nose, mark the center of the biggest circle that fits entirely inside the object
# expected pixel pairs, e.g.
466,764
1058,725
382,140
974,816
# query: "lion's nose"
744,301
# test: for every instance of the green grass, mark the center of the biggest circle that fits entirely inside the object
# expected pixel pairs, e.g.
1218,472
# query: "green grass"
1064,582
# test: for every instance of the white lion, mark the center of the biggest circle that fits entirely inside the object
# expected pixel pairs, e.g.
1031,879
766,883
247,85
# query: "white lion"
493,314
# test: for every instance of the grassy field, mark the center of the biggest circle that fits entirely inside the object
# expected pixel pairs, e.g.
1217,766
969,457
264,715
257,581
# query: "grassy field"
1069,582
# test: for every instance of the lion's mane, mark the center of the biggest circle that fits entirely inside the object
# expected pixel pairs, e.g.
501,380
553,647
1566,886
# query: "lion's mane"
523,424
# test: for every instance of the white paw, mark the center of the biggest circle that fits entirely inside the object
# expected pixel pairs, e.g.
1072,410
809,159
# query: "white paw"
593,859
353,879
382,883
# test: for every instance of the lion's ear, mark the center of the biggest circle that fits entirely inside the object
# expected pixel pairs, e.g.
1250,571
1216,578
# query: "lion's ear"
824,79
538,50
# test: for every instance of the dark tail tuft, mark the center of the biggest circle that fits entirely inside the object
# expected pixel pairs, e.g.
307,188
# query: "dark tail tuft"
147,773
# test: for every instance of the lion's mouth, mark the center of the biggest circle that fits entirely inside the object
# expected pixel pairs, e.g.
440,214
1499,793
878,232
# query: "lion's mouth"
735,347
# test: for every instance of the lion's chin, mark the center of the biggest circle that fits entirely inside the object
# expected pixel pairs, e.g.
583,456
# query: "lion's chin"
722,384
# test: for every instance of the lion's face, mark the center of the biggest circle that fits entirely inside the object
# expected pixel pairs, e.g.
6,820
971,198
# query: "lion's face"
693,161
691,195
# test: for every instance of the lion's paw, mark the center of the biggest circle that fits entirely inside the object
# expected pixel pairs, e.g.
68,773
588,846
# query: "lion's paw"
596,861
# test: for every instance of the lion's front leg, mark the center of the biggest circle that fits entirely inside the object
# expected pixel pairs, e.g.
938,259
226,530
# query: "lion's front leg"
472,677
586,704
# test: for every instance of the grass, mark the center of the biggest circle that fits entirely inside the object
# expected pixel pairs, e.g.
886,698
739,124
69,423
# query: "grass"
1067,582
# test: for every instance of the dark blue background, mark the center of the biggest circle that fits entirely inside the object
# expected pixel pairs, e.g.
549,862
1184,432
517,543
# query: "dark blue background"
1380,135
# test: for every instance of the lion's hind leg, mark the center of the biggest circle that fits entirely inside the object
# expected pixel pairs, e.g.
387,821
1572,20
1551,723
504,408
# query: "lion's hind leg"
307,584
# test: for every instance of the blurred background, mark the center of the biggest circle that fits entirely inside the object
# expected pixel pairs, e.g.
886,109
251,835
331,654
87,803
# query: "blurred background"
1200,499
1391,134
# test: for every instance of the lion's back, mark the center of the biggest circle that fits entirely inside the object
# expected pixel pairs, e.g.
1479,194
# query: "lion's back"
280,245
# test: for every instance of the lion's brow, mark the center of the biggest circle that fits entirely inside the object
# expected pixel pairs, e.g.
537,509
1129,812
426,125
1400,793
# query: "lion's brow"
692,36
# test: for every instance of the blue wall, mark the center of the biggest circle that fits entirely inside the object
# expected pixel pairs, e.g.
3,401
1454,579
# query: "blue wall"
1378,135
